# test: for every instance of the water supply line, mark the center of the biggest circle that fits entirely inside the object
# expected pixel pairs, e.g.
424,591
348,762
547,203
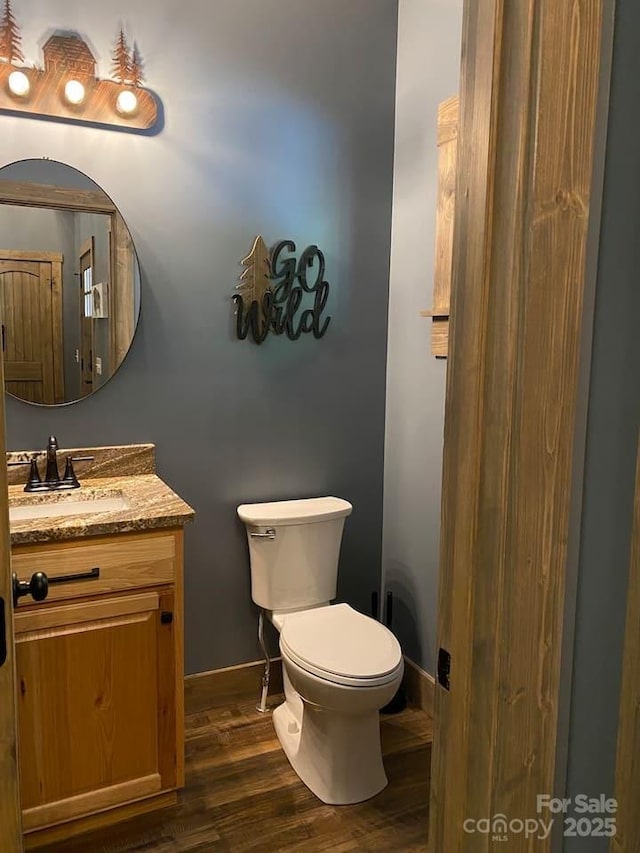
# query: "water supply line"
262,706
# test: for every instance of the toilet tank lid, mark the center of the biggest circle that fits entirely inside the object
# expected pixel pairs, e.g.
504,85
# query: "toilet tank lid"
294,512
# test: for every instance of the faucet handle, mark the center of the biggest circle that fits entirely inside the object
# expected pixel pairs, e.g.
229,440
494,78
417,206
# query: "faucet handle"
34,483
69,479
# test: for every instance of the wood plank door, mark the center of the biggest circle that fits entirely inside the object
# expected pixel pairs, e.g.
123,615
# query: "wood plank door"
525,199
10,817
31,317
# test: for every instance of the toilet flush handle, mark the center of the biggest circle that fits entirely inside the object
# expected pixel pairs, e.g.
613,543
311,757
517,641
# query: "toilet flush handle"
269,533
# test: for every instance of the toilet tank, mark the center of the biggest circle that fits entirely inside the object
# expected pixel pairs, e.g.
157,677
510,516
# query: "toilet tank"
294,548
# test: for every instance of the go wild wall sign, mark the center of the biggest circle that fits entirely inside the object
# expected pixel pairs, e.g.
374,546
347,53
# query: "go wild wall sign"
281,295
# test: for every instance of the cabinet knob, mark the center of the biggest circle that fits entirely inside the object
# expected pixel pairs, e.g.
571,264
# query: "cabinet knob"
37,587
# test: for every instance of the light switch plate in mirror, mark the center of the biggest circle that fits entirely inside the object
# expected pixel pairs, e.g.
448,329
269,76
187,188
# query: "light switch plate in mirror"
69,283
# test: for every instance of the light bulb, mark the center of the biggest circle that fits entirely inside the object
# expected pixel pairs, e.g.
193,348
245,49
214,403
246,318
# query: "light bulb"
74,92
127,103
19,84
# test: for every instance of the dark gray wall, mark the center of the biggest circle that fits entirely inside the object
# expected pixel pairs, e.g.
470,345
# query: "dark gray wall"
612,438
279,121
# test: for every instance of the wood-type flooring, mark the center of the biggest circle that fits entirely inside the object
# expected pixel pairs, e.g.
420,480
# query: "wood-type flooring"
242,796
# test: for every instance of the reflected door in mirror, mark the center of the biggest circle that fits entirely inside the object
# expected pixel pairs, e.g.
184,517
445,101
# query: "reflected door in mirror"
31,314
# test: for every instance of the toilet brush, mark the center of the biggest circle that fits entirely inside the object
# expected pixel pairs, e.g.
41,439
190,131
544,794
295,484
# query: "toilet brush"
399,701
374,605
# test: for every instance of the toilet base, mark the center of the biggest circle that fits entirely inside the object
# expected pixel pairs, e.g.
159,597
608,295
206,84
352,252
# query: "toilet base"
337,756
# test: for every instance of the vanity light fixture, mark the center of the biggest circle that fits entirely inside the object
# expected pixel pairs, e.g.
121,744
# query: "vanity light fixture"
127,103
74,92
64,82
19,84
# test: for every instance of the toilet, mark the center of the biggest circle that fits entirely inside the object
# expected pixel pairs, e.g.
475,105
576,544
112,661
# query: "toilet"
339,666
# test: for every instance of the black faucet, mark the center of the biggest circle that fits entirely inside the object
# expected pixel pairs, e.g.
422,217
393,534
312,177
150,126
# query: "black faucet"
52,476
52,479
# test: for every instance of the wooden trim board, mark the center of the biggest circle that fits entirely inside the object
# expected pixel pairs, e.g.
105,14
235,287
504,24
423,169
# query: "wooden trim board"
448,121
29,194
21,255
105,798
230,685
242,683
419,686
107,819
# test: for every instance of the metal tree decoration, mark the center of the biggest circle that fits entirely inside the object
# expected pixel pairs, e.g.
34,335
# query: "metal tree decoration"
254,297
255,280
121,57
10,38
136,70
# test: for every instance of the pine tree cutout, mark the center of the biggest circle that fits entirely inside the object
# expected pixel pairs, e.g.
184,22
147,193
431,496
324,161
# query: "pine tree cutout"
136,75
10,38
121,58
255,280
253,287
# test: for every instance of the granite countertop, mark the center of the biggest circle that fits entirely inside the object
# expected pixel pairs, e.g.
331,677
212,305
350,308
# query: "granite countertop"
150,503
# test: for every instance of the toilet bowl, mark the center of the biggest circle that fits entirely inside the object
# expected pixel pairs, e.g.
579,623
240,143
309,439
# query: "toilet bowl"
339,669
339,666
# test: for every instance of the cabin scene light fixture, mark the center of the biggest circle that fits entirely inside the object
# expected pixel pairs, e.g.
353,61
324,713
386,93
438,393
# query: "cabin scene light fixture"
65,85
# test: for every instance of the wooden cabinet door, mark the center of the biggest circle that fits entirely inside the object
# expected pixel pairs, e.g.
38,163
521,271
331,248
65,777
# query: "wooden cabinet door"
96,704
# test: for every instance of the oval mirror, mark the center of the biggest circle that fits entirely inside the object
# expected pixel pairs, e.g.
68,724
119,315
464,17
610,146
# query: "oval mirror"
69,283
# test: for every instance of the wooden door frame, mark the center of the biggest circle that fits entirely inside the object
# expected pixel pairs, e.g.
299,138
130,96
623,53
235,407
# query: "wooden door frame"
121,291
56,260
87,248
531,84
10,809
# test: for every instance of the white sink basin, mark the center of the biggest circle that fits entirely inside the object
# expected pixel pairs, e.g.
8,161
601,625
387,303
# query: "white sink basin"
55,509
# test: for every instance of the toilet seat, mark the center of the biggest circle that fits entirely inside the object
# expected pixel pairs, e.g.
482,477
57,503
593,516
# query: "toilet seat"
340,645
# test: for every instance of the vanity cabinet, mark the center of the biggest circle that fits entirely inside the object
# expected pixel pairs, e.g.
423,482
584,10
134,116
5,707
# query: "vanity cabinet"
100,679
